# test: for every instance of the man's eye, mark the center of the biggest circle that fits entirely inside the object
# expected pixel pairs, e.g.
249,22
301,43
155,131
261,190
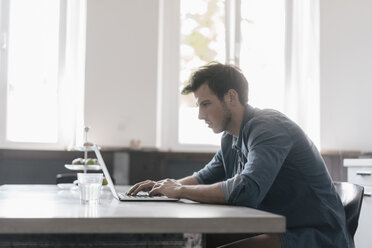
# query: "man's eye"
205,104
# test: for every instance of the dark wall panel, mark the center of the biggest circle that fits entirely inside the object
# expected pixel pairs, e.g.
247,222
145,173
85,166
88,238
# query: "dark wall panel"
41,167
37,167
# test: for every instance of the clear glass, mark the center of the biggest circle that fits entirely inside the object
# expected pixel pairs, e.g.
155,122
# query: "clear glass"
202,41
90,187
262,51
32,76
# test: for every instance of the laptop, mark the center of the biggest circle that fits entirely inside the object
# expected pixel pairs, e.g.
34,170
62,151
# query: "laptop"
141,196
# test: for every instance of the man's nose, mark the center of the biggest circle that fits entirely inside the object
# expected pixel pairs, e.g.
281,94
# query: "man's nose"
201,115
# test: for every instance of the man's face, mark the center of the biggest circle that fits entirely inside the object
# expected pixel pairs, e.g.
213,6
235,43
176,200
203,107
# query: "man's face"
214,112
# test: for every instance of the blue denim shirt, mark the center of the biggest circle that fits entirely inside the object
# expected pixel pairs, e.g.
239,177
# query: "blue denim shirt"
273,166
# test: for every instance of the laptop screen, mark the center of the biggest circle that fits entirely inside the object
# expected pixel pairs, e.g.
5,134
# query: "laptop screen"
105,171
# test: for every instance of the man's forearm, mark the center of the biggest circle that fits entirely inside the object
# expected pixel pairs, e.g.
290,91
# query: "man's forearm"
211,193
190,180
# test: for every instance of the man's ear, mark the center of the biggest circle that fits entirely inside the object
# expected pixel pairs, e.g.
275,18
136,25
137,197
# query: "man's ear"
232,96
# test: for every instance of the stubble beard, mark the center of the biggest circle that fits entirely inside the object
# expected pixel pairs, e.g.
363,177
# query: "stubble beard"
226,118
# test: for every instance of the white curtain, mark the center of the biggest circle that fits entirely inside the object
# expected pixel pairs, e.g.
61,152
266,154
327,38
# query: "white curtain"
73,76
302,96
298,96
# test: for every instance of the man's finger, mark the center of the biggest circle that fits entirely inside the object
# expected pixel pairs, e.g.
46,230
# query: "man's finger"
155,192
157,185
143,186
135,188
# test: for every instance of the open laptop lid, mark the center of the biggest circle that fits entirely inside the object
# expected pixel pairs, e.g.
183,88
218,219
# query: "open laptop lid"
105,171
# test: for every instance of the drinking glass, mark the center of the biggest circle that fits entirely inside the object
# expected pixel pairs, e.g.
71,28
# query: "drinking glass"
90,187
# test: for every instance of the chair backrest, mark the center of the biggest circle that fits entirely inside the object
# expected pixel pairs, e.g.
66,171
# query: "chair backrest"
351,196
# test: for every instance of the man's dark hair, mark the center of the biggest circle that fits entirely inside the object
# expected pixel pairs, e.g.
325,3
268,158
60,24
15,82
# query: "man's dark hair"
220,79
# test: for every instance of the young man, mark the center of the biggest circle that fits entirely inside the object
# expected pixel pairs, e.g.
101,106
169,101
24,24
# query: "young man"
265,161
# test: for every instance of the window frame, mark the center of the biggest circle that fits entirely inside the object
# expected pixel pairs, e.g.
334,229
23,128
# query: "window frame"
169,55
168,91
67,134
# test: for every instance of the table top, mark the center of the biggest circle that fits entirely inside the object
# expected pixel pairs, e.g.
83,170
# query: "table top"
49,209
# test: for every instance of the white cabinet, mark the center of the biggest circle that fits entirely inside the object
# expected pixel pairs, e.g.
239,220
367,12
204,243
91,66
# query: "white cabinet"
360,172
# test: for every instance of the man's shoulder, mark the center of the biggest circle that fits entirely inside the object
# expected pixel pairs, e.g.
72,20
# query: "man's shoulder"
267,112
269,122
266,117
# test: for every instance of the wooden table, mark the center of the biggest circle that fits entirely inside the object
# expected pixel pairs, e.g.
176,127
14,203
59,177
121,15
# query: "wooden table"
47,209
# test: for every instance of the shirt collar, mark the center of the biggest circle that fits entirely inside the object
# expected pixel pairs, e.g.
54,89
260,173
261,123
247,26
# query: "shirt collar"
248,114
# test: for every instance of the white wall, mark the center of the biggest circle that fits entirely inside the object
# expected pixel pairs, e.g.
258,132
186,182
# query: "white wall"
122,42
346,74
121,63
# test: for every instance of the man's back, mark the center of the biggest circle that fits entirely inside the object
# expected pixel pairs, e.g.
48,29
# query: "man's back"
283,173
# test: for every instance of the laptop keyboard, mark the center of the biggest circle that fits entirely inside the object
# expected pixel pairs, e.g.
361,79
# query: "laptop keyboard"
143,196
140,195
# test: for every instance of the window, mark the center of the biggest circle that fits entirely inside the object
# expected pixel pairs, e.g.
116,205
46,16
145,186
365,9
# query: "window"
262,37
202,41
36,81
262,51
255,44
32,71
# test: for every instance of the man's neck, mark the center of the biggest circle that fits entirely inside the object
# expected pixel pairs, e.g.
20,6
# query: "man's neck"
237,115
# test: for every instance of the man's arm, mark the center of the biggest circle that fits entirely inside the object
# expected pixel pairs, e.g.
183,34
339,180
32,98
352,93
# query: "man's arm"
187,187
211,193
190,180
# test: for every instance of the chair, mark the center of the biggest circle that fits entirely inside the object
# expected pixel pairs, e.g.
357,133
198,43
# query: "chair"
351,196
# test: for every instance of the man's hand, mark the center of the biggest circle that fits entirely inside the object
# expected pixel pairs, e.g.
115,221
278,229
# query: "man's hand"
168,187
141,186
187,188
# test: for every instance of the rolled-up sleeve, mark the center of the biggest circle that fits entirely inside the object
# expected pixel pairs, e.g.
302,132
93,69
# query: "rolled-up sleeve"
213,171
268,149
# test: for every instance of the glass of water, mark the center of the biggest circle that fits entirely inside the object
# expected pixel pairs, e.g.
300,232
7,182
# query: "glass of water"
90,187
